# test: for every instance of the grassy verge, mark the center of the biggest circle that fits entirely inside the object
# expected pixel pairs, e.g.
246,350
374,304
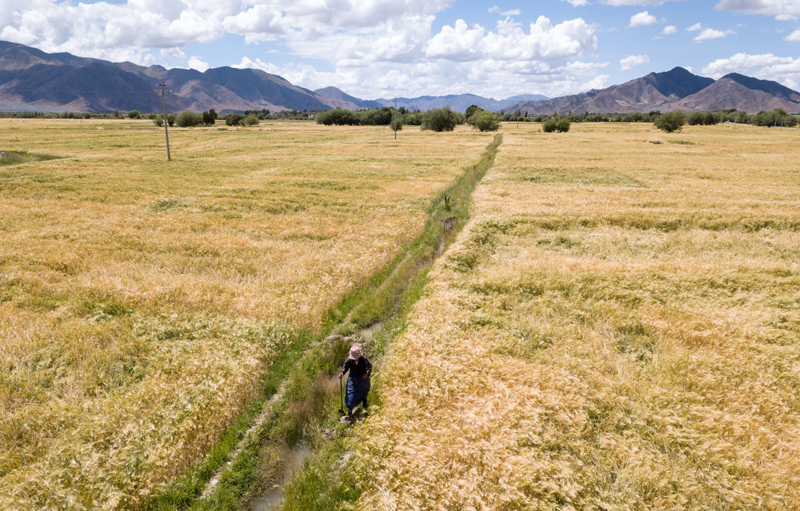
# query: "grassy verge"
15,157
306,411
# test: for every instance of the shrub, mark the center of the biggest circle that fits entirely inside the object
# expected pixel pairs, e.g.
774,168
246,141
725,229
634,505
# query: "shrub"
671,121
441,119
187,119
775,117
134,114
158,120
397,123
556,125
487,121
339,117
209,117
634,117
250,120
233,119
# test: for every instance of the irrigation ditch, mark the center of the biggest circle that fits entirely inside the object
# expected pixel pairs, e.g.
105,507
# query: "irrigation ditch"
288,450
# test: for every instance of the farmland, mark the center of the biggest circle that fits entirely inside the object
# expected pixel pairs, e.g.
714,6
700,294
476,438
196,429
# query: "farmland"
615,328
143,301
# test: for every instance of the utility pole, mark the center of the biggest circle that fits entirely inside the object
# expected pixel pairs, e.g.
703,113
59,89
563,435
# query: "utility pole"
166,123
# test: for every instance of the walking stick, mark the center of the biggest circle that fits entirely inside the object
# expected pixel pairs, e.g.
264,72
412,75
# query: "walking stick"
341,398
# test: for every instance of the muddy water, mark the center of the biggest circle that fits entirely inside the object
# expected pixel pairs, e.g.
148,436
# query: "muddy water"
272,500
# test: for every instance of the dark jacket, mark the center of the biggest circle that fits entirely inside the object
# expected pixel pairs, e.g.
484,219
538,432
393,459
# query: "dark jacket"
358,367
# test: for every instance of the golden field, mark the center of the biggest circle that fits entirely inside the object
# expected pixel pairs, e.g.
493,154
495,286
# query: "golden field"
617,328
142,301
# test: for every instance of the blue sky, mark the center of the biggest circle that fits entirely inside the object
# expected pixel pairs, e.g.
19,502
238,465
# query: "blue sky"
383,48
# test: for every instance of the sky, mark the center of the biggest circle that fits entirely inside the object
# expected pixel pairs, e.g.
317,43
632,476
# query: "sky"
386,48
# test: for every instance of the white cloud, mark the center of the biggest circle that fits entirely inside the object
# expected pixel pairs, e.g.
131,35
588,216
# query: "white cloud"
369,47
599,82
793,37
511,12
196,63
710,33
695,27
637,2
780,9
509,42
742,63
457,43
669,30
584,68
578,3
785,70
634,60
642,19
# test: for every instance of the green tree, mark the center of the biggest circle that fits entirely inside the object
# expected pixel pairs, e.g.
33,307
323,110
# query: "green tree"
671,121
487,121
441,119
250,120
556,125
134,114
233,119
338,117
209,118
187,119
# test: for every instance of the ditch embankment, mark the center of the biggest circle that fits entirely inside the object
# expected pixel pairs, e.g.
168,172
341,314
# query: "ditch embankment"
286,450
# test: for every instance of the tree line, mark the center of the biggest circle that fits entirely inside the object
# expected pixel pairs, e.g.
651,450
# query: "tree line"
438,119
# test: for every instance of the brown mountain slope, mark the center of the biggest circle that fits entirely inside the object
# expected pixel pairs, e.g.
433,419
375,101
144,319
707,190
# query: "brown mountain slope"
732,91
650,92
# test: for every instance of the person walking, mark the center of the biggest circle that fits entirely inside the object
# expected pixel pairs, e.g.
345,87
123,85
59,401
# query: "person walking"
358,383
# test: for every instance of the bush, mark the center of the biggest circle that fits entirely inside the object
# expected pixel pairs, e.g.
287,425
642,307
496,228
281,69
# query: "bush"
375,117
158,120
187,119
441,119
701,119
775,117
397,123
134,114
233,119
556,125
671,121
250,120
209,117
487,121
339,117
634,117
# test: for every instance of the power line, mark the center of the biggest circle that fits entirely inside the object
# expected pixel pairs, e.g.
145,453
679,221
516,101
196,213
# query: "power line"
79,91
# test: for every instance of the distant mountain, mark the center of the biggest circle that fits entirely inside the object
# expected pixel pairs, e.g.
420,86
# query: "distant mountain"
336,98
677,89
31,79
459,102
734,89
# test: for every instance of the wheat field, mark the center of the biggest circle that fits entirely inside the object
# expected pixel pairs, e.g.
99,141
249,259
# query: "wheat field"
142,301
617,328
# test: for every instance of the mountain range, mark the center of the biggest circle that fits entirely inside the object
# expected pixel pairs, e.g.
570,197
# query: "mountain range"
677,89
32,80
